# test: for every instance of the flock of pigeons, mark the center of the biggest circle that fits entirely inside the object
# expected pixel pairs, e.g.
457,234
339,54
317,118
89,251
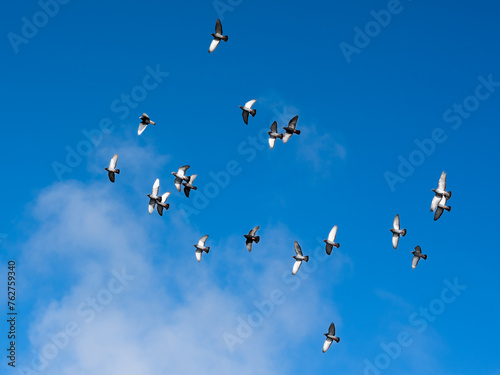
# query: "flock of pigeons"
182,179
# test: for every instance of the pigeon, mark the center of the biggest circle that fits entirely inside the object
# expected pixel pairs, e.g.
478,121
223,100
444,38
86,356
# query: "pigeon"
112,168
273,134
330,242
440,191
189,185
441,207
248,109
145,121
417,254
161,203
200,247
298,258
290,129
180,176
153,197
217,37
330,336
251,237
396,232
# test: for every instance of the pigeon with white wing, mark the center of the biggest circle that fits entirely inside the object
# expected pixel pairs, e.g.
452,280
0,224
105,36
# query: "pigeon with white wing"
396,231
153,197
440,192
180,176
217,37
330,337
188,186
417,254
162,203
441,208
112,168
200,247
290,129
145,121
299,257
330,242
247,109
273,134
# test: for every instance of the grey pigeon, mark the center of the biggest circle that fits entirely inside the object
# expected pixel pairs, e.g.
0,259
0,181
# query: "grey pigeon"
330,337
200,247
217,36
247,108
153,197
417,254
180,176
162,203
251,237
396,232
188,186
298,258
440,191
145,121
112,168
441,207
330,242
273,134
290,129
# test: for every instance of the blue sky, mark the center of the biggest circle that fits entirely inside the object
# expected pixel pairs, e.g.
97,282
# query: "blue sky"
419,95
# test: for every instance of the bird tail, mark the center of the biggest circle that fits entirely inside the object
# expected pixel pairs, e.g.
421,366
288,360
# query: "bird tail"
280,136
424,256
257,239
337,339
337,245
225,38
306,258
448,208
253,112
207,249
167,206
117,171
194,188
297,132
449,194
404,232
152,123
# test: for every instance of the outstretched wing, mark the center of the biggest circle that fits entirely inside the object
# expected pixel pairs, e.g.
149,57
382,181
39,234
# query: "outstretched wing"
160,209
296,266
327,344
332,234
438,213
186,190
213,45
156,188
182,170
272,141
152,204
442,181
218,27
253,231
250,103
395,223
165,196
249,245
293,122
198,255
331,329
298,250
113,161
274,127
178,183
328,248
245,117
395,240
142,127
414,261
435,202
286,137
111,176
201,242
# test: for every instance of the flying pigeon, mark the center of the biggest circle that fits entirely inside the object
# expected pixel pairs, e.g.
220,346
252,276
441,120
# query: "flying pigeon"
153,197
330,336
161,203
273,134
441,207
180,176
396,232
200,247
440,191
251,237
248,109
290,129
298,258
112,168
217,37
417,254
189,185
145,121
330,242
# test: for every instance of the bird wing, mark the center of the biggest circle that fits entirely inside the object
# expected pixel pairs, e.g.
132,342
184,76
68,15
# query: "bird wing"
201,242
165,196
442,202
286,137
395,240
332,234
249,245
435,202
253,231
331,329
296,266
142,126
182,170
298,250
198,255
418,249
250,103
272,141
152,205
442,181
113,161
395,223
177,183
111,176
438,213
327,344
186,190
213,45
192,178
145,116
293,122
160,209
218,27
274,127
156,188
245,117
414,261
328,248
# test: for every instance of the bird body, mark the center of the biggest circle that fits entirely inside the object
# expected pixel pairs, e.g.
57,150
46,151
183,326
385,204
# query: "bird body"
247,109
112,168
330,337
299,258
251,237
153,197
273,134
162,203
396,231
441,208
440,192
290,129
145,121
180,176
417,254
188,185
200,247
217,37
330,241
